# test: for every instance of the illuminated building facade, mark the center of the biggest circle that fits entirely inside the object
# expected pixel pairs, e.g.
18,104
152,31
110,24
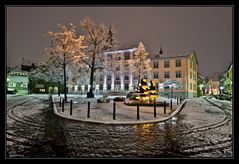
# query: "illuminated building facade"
178,67
175,73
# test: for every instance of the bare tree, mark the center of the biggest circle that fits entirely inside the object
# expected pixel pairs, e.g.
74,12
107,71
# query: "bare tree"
65,47
99,39
140,61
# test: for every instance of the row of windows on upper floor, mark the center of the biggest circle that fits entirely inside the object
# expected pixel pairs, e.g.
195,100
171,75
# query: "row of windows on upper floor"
167,63
178,63
178,74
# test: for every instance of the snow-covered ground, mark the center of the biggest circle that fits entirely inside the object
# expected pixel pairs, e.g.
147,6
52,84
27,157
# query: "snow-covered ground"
104,111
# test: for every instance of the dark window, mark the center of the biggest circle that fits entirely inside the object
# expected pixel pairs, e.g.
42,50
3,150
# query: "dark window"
108,86
86,87
126,87
155,75
126,77
101,77
109,77
156,64
178,62
178,74
166,64
101,87
117,77
166,74
127,55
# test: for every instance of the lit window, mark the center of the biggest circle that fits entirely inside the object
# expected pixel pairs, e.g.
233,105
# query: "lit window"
178,74
126,55
156,64
11,84
166,64
166,74
178,63
155,75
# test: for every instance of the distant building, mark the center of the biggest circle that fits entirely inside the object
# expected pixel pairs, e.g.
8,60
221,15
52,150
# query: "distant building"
17,82
27,65
200,85
226,82
214,84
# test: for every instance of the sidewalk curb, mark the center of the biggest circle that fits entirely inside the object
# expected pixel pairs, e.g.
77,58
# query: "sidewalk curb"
115,122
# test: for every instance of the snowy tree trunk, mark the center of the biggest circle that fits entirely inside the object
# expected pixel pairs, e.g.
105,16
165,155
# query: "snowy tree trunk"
64,67
92,70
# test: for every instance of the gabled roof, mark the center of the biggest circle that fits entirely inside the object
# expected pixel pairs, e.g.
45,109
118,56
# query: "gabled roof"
178,54
19,79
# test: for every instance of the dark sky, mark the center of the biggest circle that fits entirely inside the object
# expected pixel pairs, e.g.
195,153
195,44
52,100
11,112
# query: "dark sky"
207,30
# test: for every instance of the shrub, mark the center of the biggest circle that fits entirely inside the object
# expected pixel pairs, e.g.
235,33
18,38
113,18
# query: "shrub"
119,99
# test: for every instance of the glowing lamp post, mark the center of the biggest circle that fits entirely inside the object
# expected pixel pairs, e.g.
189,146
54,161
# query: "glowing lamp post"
221,88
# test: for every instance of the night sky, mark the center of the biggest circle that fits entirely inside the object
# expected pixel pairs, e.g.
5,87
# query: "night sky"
207,30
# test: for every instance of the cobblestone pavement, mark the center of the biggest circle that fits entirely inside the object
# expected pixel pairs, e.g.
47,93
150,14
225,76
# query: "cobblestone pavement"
200,130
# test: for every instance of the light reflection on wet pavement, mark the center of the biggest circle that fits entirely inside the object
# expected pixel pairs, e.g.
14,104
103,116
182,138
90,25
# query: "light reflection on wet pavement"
41,134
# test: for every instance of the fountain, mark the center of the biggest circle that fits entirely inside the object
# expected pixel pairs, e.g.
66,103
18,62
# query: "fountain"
144,95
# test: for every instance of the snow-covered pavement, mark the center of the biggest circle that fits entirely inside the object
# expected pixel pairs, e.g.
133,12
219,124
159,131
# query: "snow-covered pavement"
103,112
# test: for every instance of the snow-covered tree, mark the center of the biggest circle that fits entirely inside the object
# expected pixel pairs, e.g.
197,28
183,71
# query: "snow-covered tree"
140,62
99,39
65,48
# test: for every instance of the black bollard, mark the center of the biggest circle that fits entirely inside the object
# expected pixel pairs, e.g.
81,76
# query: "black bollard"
154,109
71,108
171,104
137,111
177,100
88,112
114,111
180,100
63,105
60,102
164,105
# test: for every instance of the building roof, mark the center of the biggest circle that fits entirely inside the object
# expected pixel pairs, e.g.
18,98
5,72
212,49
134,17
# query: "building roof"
178,54
19,79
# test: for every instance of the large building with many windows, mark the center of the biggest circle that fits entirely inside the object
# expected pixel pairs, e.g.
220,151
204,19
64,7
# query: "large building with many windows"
175,73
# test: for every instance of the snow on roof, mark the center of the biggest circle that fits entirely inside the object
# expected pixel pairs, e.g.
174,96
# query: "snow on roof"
19,79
